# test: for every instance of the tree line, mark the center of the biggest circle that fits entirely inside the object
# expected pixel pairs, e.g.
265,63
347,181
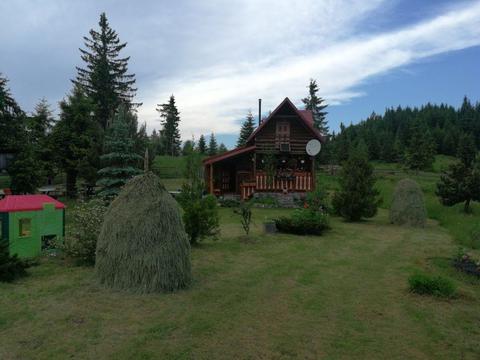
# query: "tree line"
412,136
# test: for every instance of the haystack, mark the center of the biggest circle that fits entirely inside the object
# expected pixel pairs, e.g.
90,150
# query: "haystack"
408,204
142,245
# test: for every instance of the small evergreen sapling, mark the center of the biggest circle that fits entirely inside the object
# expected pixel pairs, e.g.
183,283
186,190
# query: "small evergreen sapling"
11,267
245,212
357,197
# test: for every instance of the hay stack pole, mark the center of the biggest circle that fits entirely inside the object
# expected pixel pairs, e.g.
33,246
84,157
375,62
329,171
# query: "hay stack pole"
142,245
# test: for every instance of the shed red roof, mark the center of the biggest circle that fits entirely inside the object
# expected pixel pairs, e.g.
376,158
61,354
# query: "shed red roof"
27,203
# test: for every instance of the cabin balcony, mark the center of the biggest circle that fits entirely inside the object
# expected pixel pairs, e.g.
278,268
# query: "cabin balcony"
298,181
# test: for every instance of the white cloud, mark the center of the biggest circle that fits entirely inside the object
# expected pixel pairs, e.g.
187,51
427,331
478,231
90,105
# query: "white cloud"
272,54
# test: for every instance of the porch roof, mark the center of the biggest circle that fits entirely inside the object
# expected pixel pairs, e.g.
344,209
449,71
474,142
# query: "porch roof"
228,154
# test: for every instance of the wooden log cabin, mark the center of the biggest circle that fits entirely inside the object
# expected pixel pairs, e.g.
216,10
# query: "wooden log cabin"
273,161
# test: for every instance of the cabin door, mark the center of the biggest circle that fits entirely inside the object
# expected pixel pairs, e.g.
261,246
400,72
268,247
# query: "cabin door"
241,177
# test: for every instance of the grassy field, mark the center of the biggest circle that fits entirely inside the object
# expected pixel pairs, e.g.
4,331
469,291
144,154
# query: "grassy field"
342,295
459,225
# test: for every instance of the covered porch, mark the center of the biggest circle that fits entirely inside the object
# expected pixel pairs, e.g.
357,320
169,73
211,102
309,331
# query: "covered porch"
242,172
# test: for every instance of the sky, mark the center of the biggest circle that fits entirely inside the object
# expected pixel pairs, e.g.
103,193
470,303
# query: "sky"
219,57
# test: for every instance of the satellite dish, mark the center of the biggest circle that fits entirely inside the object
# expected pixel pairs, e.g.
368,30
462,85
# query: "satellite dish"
313,147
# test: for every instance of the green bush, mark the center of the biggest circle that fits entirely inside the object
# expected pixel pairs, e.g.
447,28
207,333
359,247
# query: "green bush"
303,222
11,267
475,237
229,203
428,285
265,201
81,240
201,218
318,199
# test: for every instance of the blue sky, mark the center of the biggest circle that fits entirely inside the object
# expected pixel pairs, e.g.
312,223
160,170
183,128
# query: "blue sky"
219,57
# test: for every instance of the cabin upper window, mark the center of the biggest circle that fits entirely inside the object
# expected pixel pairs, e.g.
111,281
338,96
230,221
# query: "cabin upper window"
25,227
283,131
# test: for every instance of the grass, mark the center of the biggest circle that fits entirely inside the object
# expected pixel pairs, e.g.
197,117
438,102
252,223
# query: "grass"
459,224
342,295
169,167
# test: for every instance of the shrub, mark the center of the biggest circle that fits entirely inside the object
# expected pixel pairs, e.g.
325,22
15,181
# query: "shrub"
408,204
81,240
357,197
475,237
11,267
245,212
201,218
265,201
464,262
200,214
143,246
427,285
229,203
303,222
317,199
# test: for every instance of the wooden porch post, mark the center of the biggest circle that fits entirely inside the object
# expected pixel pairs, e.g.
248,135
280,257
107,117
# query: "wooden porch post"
255,166
211,179
314,182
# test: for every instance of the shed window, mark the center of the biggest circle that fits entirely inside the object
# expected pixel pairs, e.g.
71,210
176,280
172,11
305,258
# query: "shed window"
25,227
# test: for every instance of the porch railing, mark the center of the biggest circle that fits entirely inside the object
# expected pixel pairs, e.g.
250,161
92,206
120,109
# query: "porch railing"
298,181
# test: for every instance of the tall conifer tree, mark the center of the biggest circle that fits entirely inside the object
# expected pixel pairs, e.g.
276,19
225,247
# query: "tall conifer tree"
119,159
170,118
12,120
316,105
247,129
212,145
202,145
105,77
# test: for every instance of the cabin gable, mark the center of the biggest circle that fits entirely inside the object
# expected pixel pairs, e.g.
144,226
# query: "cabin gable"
284,131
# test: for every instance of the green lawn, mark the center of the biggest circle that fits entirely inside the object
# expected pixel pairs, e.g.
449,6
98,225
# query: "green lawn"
340,296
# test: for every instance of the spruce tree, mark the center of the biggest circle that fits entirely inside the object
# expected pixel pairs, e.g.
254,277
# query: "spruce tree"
40,125
420,152
41,122
466,151
316,105
212,145
357,197
222,148
76,140
170,120
248,127
202,145
25,170
461,182
11,267
119,159
105,77
188,147
12,120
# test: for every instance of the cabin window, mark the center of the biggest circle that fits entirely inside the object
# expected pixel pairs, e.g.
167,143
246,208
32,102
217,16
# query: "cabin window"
283,131
25,227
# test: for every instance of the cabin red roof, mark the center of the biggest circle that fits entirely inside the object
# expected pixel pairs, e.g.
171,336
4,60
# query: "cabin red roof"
228,154
27,203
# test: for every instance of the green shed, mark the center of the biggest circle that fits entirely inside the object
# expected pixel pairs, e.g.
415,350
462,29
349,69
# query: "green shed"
30,223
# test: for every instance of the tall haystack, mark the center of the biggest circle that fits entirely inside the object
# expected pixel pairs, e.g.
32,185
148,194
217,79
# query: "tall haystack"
408,204
143,246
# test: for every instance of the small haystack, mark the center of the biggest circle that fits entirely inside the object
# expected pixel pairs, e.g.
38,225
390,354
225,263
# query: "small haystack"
143,246
408,204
